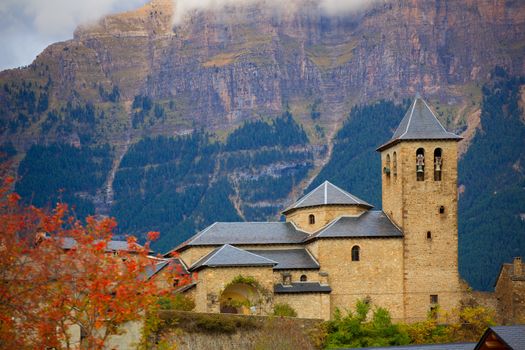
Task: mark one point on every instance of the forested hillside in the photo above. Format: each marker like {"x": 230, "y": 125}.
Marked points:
{"x": 492, "y": 185}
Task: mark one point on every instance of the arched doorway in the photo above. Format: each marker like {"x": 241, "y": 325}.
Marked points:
{"x": 237, "y": 298}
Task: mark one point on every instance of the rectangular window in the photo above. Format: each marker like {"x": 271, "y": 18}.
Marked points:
{"x": 433, "y": 299}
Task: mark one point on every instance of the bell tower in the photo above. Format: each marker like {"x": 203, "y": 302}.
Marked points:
{"x": 419, "y": 194}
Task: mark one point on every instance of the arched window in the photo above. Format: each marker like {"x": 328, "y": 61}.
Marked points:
{"x": 311, "y": 219}
{"x": 355, "y": 253}
{"x": 394, "y": 164}
{"x": 386, "y": 169}
{"x": 438, "y": 164}
{"x": 303, "y": 278}
{"x": 420, "y": 164}
{"x": 442, "y": 210}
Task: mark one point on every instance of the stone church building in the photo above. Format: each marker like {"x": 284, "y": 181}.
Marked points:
{"x": 334, "y": 248}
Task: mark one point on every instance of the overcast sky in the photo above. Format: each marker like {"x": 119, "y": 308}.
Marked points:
{"x": 28, "y": 26}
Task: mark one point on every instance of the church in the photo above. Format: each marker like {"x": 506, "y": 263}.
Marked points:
{"x": 335, "y": 248}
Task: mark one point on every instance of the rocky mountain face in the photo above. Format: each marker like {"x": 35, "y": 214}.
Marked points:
{"x": 222, "y": 67}
{"x": 95, "y": 105}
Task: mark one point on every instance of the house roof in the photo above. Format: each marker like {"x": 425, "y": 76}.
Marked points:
{"x": 372, "y": 223}
{"x": 454, "y": 346}
{"x": 163, "y": 263}
{"x": 301, "y": 287}
{"x": 239, "y": 233}
{"x": 419, "y": 123}
{"x": 327, "y": 194}
{"x": 289, "y": 258}
{"x": 512, "y": 336}
{"x": 69, "y": 243}
{"x": 229, "y": 256}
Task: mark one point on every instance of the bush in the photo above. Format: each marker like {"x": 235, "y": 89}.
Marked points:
{"x": 283, "y": 309}
{"x": 176, "y": 302}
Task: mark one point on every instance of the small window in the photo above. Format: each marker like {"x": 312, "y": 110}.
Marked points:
{"x": 394, "y": 164}
{"x": 176, "y": 282}
{"x": 429, "y": 235}
{"x": 433, "y": 299}
{"x": 311, "y": 219}
{"x": 287, "y": 279}
{"x": 355, "y": 253}
{"x": 420, "y": 164}
{"x": 442, "y": 210}
{"x": 387, "y": 166}
{"x": 438, "y": 164}
{"x": 304, "y": 278}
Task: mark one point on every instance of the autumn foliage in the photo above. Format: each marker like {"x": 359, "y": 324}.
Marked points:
{"x": 57, "y": 273}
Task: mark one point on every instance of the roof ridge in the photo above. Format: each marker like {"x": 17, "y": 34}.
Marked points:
{"x": 248, "y": 252}
{"x": 212, "y": 255}
{"x": 409, "y": 118}
{"x": 306, "y": 196}
{"x": 431, "y": 112}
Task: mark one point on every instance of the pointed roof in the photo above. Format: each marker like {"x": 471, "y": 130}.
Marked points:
{"x": 229, "y": 256}
{"x": 327, "y": 194}
{"x": 419, "y": 123}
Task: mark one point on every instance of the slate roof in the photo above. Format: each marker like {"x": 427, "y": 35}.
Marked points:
{"x": 419, "y": 123}
{"x": 301, "y": 287}
{"x": 69, "y": 243}
{"x": 372, "y": 223}
{"x": 512, "y": 336}
{"x": 239, "y": 233}
{"x": 229, "y": 256}
{"x": 288, "y": 259}
{"x": 455, "y": 346}
{"x": 327, "y": 194}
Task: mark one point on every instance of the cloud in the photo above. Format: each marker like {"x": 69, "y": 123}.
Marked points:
{"x": 28, "y": 26}
{"x": 329, "y": 7}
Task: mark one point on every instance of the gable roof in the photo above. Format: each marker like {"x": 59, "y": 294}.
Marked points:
{"x": 239, "y": 233}
{"x": 229, "y": 256}
{"x": 289, "y": 258}
{"x": 512, "y": 336}
{"x": 372, "y": 223}
{"x": 327, "y": 194}
{"x": 419, "y": 123}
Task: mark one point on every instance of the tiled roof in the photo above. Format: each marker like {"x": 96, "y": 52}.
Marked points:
{"x": 419, "y": 123}
{"x": 229, "y": 256}
{"x": 372, "y": 223}
{"x": 301, "y": 287}
{"x": 327, "y": 194}
{"x": 239, "y": 233}
{"x": 512, "y": 336}
{"x": 289, "y": 258}
{"x": 455, "y": 346}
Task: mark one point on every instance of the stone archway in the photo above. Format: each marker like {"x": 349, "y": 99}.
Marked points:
{"x": 237, "y": 298}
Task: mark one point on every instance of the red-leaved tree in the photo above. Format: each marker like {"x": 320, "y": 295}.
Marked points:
{"x": 57, "y": 273}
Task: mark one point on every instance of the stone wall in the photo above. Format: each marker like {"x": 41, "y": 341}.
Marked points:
{"x": 510, "y": 293}
{"x": 323, "y": 215}
{"x": 430, "y": 259}
{"x": 378, "y": 274}
{"x": 307, "y": 305}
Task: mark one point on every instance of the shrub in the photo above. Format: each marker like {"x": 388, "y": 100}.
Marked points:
{"x": 283, "y": 309}
{"x": 176, "y": 302}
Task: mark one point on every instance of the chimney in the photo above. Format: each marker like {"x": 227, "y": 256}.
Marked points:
{"x": 518, "y": 267}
